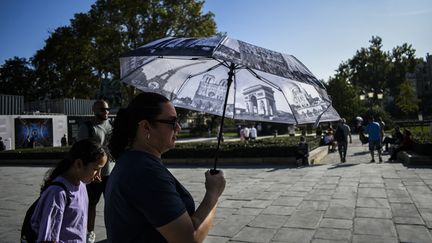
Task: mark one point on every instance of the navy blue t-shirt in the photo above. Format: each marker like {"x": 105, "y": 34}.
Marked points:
{"x": 142, "y": 195}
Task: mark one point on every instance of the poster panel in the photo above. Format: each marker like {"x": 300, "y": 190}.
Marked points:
{"x": 33, "y": 132}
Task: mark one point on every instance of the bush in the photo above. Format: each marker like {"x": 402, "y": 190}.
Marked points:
{"x": 269, "y": 147}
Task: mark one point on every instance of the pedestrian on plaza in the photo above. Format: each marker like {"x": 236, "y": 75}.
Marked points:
{"x": 342, "y": 133}
{"x": 246, "y": 133}
{"x": 253, "y": 133}
{"x": 406, "y": 145}
{"x": 291, "y": 130}
{"x": 144, "y": 202}
{"x": 329, "y": 140}
{"x": 63, "y": 141}
{"x": 31, "y": 141}
{"x": 302, "y": 153}
{"x": 242, "y": 134}
{"x": 61, "y": 215}
{"x": 373, "y": 129}
{"x": 358, "y": 123}
{"x": 2, "y": 145}
{"x": 99, "y": 129}
{"x": 362, "y": 137}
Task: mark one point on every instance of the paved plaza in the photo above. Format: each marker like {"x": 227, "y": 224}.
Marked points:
{"x": 356, "y": 201}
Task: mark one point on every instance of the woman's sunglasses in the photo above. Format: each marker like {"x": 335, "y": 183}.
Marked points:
{"x": 105, "y": 109}
{"x": 172, "y": 122}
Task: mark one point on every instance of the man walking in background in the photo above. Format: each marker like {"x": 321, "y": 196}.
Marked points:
{"x": 341, "y": 136}
{"x": 374, "y": 131}
{"x": 100, "y": 129}
{"x": 253, "y": 133}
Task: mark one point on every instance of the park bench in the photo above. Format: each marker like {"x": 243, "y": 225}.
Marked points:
{"x": 412, "y": 158}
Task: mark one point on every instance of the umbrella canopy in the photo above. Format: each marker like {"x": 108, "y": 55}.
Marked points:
{"x": 229, "y": 78}
{"x": 197, "y": 73}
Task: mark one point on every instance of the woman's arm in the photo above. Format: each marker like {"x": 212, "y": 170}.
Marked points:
{"x": 190, "y": 229}
{"x": 196, "y": 227}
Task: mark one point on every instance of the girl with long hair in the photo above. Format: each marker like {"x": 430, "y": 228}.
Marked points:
{"x": 61, "y": 215}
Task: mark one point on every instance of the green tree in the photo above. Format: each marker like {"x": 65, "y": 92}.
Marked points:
{"x": 372, "y": 67}
{"x": 78, "y": 57}
{"x": 17, "y": 78}
{"x": 344, "y": 97}
{"x": 407, "y": 100}
{"x": 368, "y": 68}
{"x": 64, "y": 66}
{"x": 403, "y": 61}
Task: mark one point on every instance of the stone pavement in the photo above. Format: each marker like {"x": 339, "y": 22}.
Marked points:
{"x": 356, "y": 201}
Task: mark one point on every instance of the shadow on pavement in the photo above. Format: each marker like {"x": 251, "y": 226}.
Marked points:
{"x": 361, "y": 153}
{"x": 337, "y": 166}
{"x": 275, "y": 168}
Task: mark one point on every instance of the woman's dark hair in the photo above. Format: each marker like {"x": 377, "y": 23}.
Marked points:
{"x": 145, "y": 106}
{"x": 88, "y": 150}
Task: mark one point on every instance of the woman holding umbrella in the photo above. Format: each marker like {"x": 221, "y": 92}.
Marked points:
{"x": 144, "y": 202}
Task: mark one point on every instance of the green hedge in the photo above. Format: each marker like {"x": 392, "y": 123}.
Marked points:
{"x": 36, "y": 153}
{"x": 269, "y": 147}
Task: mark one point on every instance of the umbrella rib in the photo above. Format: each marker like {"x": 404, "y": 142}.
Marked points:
{"x": 264, "y": 80}
{"x": 191, "y": 76}
{"x": 184, "y": 58}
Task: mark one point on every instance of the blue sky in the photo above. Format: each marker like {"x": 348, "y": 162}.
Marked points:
{"x": 320, "y": 33}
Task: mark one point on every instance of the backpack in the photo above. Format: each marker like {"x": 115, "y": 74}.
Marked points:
{"x": 27, "y": 233}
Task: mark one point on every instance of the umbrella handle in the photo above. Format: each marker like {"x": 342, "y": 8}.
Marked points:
{"x": 229, "y": 81}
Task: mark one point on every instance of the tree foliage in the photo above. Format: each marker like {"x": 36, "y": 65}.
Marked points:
{"x": 407, "y": 101}
{"x": 77, "y": 57}
{"x": 403, "y": 61}
{"x": 17, "y": 77}
{"x": 344, "y": 97}
{"x": 368, "y": 68}
{"x": 373, "y": 68}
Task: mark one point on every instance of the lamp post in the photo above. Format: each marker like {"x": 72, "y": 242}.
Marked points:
{"x": 372, "y": 96}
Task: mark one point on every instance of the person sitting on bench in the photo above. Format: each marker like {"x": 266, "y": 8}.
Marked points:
{"x": 406, "y": 145}
{"x": 396, "y": 138}
{"x": 330, "y": 141}
{"x": 302, "y": 153}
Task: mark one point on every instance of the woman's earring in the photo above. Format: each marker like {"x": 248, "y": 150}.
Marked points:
{"x": 148, "y": 136}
